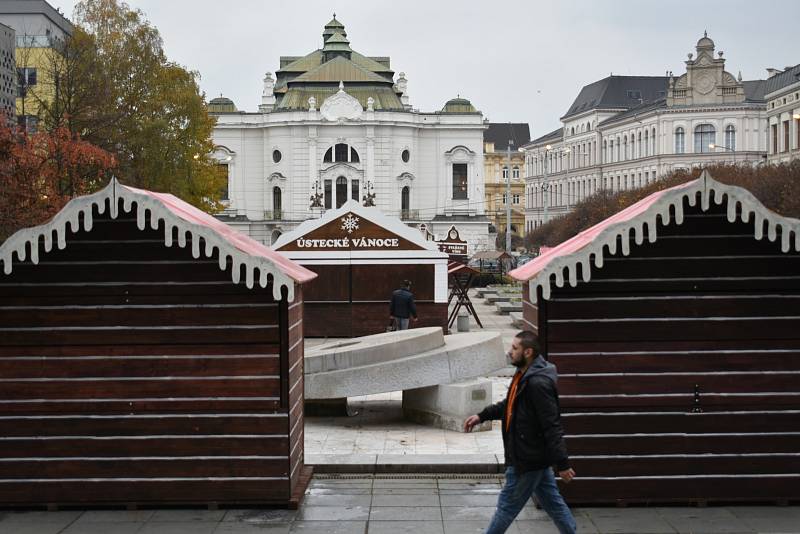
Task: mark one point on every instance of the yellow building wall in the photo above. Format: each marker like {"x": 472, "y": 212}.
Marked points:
{"x": 495, "y": 188}
{"x": 42, "y": 59}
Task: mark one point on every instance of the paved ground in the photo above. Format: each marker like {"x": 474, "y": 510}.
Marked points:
{"x": 423, "y": 505}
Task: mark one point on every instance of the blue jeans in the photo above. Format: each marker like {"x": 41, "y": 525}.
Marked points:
{"x": 401, "y": 323}
{"x": 516, "y": 492}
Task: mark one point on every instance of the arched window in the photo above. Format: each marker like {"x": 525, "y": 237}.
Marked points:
{"x": 611, "y": 152}
{"x": 625, "y": 144}
{"x": 646, "y": 143}
{"x": 328, "y": 156}
{"x": 680, "y": 145}
{"x": 639, "y": 154}
{"x": 341, "y": 191}
{"x": 704, "y": 135}
{"x": 619, "y": 150}
{"x": 515, "y": 172}
{"x": 340, "y": 152}
{"x": 276, "y": 203}
{"x": 354, "y": 190}
{"x": 354, "y": 156}
{"x": 505, "y": 172}
{"x": 730, "y": 137}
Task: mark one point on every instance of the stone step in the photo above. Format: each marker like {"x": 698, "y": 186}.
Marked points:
{"x": 516, "y": 319}
{"x": 494, "y": 298}
{"x": 504, "y": 308}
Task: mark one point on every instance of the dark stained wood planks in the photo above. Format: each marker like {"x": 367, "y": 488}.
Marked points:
{"x": 131, "y": 372}
{"x": 705, "y": 319}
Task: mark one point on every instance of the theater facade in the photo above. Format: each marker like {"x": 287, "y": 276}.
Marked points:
{"x": 336, "y": 125}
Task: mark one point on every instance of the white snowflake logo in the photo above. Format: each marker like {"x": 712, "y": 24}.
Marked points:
{"x": 349, "y": 223}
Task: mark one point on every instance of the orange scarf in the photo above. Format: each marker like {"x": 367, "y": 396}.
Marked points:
{"x": 512, "y": 395}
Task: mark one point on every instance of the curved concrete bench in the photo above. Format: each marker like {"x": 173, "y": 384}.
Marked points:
{"x": 431, "y": 369}
{"x": 403, "y": 360}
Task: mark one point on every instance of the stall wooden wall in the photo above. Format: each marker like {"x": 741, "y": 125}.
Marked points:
{"x": 353, "y": 300}
{"x": 133, "y": 373}
{"x": 679, "y": 368}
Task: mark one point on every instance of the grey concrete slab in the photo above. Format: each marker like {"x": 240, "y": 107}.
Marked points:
{"x": 251, "y": 528}
{"x": 344, "y": 463}
{"x": 404, "y": 513}
{"x": 703, "y": 520}
{"x": 333, "y": 513}
{"x": 438, "y": 463}
{"x": 467, "y": 513}
{"x": 260, "y": 516}
{"x": 405, "y": 527}
{"x": 633, "y": 521}
{"x": 337, "y": 500}
{"x": 415, "y": 490}
{"x": 30, "y": 528}
{"x": 425, "y": 500}
{"x": 115, "y": 516}
{"x": 475, "y": 527}
{"x": 176, "y": 527}
{"x": 329, "y": 527}
{"x": 99, "y": 527}
{"x": 205, "y": 516}
{"x": 469, "y": 500}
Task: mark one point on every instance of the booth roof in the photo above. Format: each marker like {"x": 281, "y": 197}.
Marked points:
{"x": 176, "y": 214}
{"x": 593, "y": 241}
{"x": 491, "y": 255}
{"x": 372, "y": 214}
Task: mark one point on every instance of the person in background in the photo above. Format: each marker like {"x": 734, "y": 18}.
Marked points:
{"x": 402, "y": 307}
{"x": 533, "y": 439}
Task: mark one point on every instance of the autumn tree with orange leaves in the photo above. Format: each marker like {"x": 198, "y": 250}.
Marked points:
{"x": 41, "y": 172}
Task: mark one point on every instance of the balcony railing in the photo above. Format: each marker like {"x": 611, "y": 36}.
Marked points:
{"x": 274, "y": 215}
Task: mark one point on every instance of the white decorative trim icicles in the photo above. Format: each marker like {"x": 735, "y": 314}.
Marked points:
{"x": 669, "y": 199}
{"x": 22, "y": 240}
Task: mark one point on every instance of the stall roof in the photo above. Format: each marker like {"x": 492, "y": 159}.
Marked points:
{"x": 456, "y": 267}
{"x": 413, "y": 244}
{"x": 176, "y": 214}
{"x": 491, "y": 255}
{"x": 594, "y": 241}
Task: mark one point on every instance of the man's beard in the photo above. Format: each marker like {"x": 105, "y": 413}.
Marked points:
{"x": 518, "y": 364}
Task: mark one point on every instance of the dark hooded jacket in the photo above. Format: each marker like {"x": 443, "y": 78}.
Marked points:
{"x": 535, "y": 439}
{"x": 402, "y": 304}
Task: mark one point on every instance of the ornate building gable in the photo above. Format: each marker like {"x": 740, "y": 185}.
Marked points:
{"x": 706, "y": 81}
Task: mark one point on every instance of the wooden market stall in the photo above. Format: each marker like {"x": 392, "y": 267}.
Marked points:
{"x": 361, "y": 256}
{"x": 149, "y": 355}
{"x": 675, "y": 327}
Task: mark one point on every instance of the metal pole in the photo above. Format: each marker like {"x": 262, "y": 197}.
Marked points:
{"x": 508, "y": 197}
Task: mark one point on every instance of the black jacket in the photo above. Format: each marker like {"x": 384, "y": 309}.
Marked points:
{"x": 402, "y": 304}
{"x": 535, "y": 439}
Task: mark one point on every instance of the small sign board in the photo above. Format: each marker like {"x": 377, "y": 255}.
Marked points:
{"x": 452, "y": 244}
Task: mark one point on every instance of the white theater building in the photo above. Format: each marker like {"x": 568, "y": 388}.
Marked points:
{"x": 335, "y": 125}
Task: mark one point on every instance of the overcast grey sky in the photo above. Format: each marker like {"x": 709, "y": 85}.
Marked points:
{"x": 520, "y": 61}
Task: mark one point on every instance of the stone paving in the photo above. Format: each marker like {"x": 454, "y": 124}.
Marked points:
{"x": 422, "y": 504}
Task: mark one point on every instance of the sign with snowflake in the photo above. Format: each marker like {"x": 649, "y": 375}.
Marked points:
{"x": 349, "y": 223}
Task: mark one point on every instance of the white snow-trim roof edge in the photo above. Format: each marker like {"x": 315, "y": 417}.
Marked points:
{"x": 111, "y": 194}
{"x": 671, "y": 199}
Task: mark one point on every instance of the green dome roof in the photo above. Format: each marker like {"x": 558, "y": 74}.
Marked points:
{"x": 221, "y": 105}
{"x": 459, "y": 105}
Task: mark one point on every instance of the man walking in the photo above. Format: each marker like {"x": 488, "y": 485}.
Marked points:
{"x": 532, "y": 438}
{"x": 402, "y": 307}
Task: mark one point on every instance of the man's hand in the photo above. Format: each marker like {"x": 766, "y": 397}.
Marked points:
{"x": 470, "y": 422}
{"x": 415, "y": 319}
{"x": 567, "y": 475}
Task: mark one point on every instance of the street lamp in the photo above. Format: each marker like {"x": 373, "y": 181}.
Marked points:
{"x": 508, "y": 196}
{"x": 713, "y": 146}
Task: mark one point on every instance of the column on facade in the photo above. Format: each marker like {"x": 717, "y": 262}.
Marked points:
{"x": 313, "y": 175}
{"x": 370, "y": 185}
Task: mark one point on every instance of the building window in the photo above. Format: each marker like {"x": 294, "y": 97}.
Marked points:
{"x": 505, "y": 198}
{"x": 276, "y": 156}
{"x": 774, "y": 138}
{"x": 653, "y": 139}
{"x": 680, "y": 144}
{"x": 646, "y": 143}
{"x": 505, "y": 173}
{"x": 341, "y": 191}
{"x": 354, "y": 156}
{"x": 354, "y": 190}
{"x": 730, "y": 137}
{"x": 785, "y": 136}
{"x": 26, "y": 77}
{"x": 405, "y": 201}
{"x": 459, "y": 181}
{"x": 797, "y": 133}
{"x": 625, "y": 152}
{"x": 515, "y": 198}
{"x": 328, "y": 194}
{"x": 276, "y": 203}
{"x": 406, "y": 155}
{"x": 340, "y": 152}
{"x": 704, "y": 135}
{"x": 222, "y": 168}
{"x": 515, "y": 173}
